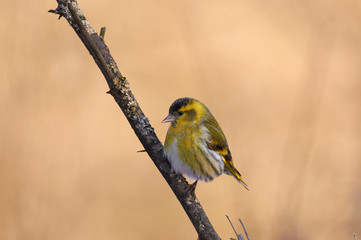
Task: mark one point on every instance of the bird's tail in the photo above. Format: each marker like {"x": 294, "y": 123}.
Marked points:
{"x": 232, "y": 171}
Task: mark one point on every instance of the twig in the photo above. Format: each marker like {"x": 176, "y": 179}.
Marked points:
{"x": 244, "y": 229}
{"x": 229, "y": 220}
{"x": 239, "y": 236}
{"x": 120, "y": 90}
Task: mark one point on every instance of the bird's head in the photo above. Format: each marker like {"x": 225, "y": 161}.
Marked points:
{"x": 186, "y": 111}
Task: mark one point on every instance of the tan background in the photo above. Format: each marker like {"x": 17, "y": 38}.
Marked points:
{"x": 281, "y": 77}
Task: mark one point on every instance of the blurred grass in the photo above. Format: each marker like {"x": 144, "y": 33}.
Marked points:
{"x": 282, "y": 79}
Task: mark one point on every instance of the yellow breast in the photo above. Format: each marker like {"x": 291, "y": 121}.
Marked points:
{"x": 187, "y": 151}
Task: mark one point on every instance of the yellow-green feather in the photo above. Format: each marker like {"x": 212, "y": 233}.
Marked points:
{"x": 218, "y": 143}
{"x": 192, "y": 150}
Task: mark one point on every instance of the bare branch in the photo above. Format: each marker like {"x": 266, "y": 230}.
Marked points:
{"x": 119, "y": 89}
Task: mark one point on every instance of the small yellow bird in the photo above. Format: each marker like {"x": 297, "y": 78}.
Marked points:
{"x": 195, "y": 144}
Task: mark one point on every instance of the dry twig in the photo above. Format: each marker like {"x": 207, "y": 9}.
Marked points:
{"x": 120, "y": 90}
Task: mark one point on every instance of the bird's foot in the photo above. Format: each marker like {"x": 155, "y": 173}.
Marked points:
{"x": 191, "y": 188}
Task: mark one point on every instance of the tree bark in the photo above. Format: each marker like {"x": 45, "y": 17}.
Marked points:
{"x": 119, "y": 89}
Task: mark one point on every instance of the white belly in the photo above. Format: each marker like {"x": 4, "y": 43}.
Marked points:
{"x": 180, "y": 166}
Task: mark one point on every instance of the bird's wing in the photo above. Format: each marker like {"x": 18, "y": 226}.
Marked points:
{"x": 217, "y": 142}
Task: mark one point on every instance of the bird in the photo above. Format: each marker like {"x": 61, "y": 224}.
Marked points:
{"x": 195, "y": 144}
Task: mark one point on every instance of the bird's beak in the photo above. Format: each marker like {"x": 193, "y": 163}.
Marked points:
{"x": 169, "y": 118}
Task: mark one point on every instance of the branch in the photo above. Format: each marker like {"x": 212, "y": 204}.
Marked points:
{"x": 119, "y": 89}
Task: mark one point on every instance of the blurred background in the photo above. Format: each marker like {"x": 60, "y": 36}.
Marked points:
{"x": 283, "y": 79}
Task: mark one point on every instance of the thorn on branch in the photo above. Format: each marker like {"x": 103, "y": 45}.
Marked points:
{"x": 111, "y": 91}
{"x": 56, "y": 12}
{"x": 102, "y": 32}
{"x": 61, "y": 10}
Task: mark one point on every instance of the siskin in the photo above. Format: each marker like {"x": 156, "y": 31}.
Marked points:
{"x": 195, "y": 144}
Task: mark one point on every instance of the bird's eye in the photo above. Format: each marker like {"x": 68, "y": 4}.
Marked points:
{"x": 180, "y": 113}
